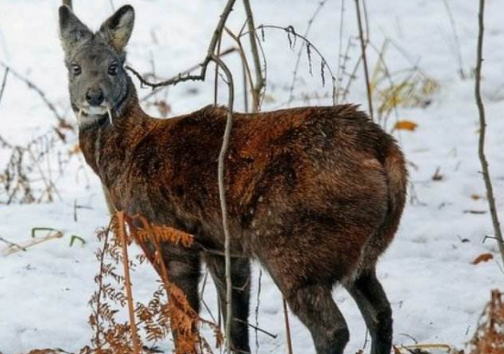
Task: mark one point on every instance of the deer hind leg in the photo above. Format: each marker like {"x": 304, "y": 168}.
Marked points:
{"x": 317, "y": 310}
{"x": 375, "y": 308}
{"x": 241, "y": 278}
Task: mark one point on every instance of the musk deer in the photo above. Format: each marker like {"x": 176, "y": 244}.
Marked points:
{"x": 315, "y": 194}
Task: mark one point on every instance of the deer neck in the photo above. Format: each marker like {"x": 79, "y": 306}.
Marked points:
{"x": 107, "y": 146}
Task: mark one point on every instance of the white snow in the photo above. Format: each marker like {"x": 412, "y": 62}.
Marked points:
{"x": 436, "y": 293}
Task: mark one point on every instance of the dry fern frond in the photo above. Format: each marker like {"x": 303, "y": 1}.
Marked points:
{"x": 167, "y": 312}
{"x": 158, "y": 233}
{"x": 489, "y": 337}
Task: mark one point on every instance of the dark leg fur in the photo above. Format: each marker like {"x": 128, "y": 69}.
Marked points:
{"x": 375, "y": 308}
{"x": 316, "y": 308}
{"x": 184, "y": 271}
{"x": 240, "y": 274}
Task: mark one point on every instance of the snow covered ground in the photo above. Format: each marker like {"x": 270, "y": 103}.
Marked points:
{"x": 436, "y": 293}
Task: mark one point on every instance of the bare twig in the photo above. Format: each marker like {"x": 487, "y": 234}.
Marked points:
{"x": 204, "y": 65}
{"x": 12, "y": 244}
{"x": 37, "y": 89}
{"x": 4, "y": 82}
{"x": 259, "y": 83}
{"x": 481, "y": 145}
{"x": 363, "y": 43}
{"x": 258, "y": 300}
{"x": 30, "y": 243}
{"x": 259, "y": 329}
{"x": 342, "y": 59}
{"x": 309, "y": 46}
{"x": 183, "y": 73}
{"x": 287, "y": 328}
{"x": 216, "y": 75}
{"x": 456, "y": 39}
{"x": 300, "y": 51}
{"x": 248, "y": 72}
{"x": 222, "y": 196}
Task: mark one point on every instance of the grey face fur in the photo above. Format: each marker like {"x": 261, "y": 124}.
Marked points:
{"x": 98, "y": 82}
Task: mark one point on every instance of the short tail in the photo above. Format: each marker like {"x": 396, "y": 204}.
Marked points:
{"x": 397, "y": 178}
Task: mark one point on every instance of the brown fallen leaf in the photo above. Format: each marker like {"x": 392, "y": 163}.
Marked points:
{"x": 437, "y": 175}
{"x": 405, "y": 125}
{"x": 484, "y": 257}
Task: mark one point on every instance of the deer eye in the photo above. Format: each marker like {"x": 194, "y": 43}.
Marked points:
{"x": 76, "y": 70}
{"x": 113, "y": 69}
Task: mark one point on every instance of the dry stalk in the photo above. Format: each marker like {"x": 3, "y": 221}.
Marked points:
{"x": 4, "y": 83}
{"x": 287, "y": 328}
{"x": 342, "y": 58}
{"x": 456, "y": 40}
{"x": 246, "y": 66}
{"x": 259, "y": 83}
{"x": 363, "y": 43}
{"x": 481, "y": 145}
{"x": 127, "y": 282}
{"x": 216, "y": 75}
{"x": 23, "y": 246}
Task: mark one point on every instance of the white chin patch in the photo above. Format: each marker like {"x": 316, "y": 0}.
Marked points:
{"x": 90, "y": 115}
{"x": 93, "y": 111}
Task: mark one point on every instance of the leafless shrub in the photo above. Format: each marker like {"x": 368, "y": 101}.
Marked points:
{"x": 32, "y": 170}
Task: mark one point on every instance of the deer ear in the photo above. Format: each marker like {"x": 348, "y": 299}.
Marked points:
{"x": 72, "y": 31}
{"x": 118, "y": 27}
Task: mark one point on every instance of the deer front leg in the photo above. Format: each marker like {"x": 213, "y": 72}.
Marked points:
{"x": 183, "y": 268}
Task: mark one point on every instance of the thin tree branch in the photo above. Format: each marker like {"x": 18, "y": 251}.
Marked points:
{"x": 481, "y": 145}
{"x": 222, "y": 196}
{"x": 4, "y": 83}
{"x": 287, "y": 328}
{"x": 183, "y": 73}
{"x": 37, "y": 89}
{"x": 364, "y": 59}
{"x": 259, "y": 84}
{"x": 204, "y": 65}
{"x": 259, "y": 329}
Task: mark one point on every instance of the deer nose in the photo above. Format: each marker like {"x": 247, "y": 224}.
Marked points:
{"x": 94, "y": 97}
